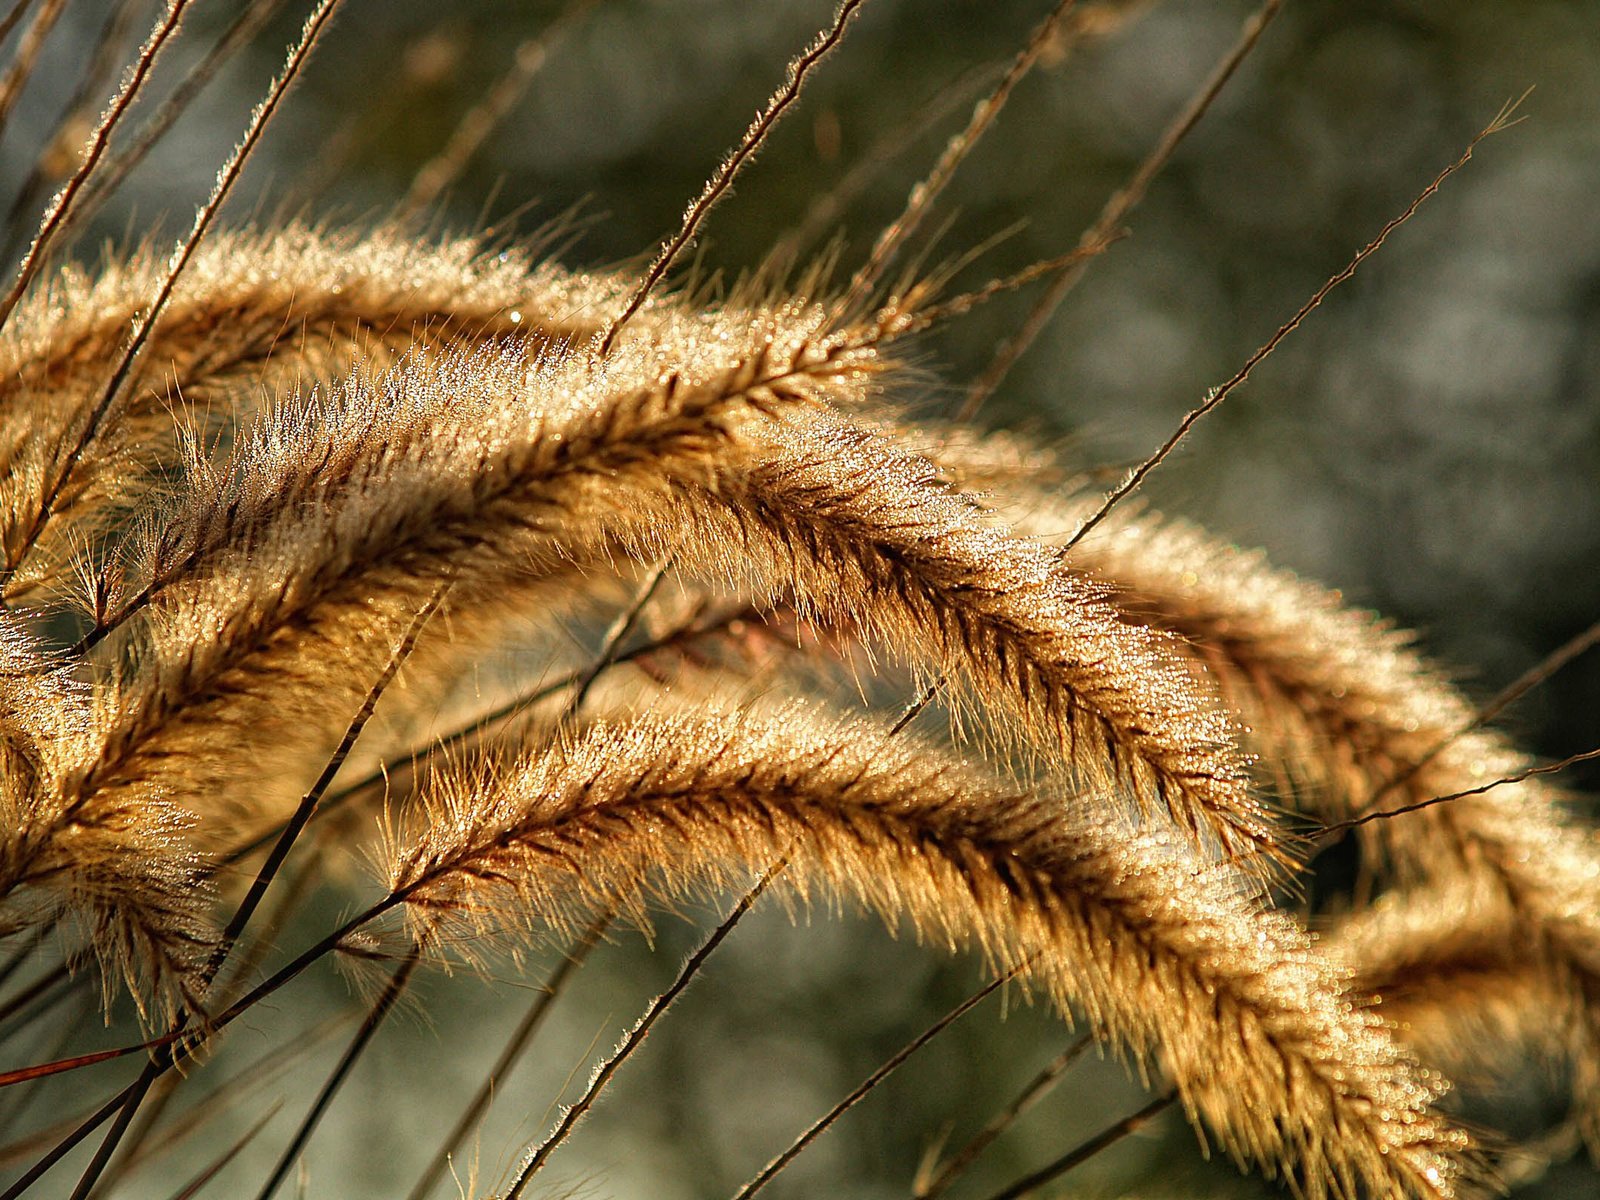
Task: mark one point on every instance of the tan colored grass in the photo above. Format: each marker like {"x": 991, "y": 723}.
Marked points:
{"x": 256, "y": 315}
{"x": 332, "y": 443}
{"x": 863, "y": 536}
{"x": 1164, "y": 956}
{"x": 1348, "y": 719}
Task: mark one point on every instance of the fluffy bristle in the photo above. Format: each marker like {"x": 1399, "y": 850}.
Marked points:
{"x": 1160, "y": 951}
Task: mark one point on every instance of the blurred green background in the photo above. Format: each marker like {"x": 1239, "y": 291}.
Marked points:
{"x": 1429, "y": 442}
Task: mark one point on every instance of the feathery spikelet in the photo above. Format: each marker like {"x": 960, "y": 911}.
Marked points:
{"x": 267, "y": 590}
{"x": 866, "y": 538}
{"x": 1465, "y": 991}
{"x": 1158, "y": 949}
{"x": 120, "y": 872}
{"x": 273, "y": 593}
{"x": 329, "y": 446}
{"x": 1352, "y": 716}
{"x": 255, "y": 314}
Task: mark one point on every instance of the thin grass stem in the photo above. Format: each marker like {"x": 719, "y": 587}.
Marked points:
{"x": 310, "y": 801}
{"x": 946, "y": 1173}
{"x": 249, "y": 1080}
{"x": 252, "y": 19}
{"x": 146, "y": 323}
{"x": 26, "y": 56}
{"x": 369, "y": 1026}
{"x": 1083, "y": 1152}
{"x": 482, "y": 119}
{"x": 289, "y": 896}
{"x": 611, "y": 644}
{"x": 216, "y": 1166}
{"x": 927, "y": 192}
{"x": 464, "y": 734}
{"x": 61, "y": 207}
{"x": 524, "y": 1033}
{"x": 893, "y": 1063}
{"x": 1115, "y": 211}
{"x": 269, "y": 869}
{"x": 54, "y": 160}
{"x": 825, "y": 210}
{"x": 16, "y": 1107}
{"x": 1502, "y": 120}
{"x": 1514, "y": 691}
{"x": 1329, "y": 831}
{"x": 719, "y": 183}
{"x": 635, "y": 1037}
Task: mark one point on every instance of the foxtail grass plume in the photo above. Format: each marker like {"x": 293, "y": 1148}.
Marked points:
{"x": 323, "y": 543}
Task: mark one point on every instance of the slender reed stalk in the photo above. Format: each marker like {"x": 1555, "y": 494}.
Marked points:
{"x": 1116, "y": 209}
{"x": 244, "y": 29}
{"x": 26, "y": 56}
{"x": 58, "y": 156}
{"x": 369, "y": 1026}
{"x": 36, "y": 511}
{"x": 1078, "y": 1155}
{"x": 927, "y": 192}
{"x": 859, "y": 1092}
{"x": 1095, "y": 916}
{"x": 476, "y": 125}
{"x": 1502, "y": 121}
{"x": 514, "y": 1048}
{"x": 941, "y": 1175}
{"x": 635, "y": 1036}
{"x": 60, "y": 208}
{"x": 719, "y": 183}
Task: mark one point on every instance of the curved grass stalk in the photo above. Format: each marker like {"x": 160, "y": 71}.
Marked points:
{"x": 57, "y": 155}
{"x": 479, "y": 122}
{"x": 1029, "y": 1184}
{"x": 937, "y": 1175}
{"x": 255, "y": 313}
{"x": 1455, "y": 974}
{"x": 369, "y": 1026}
{"x": 1275, "y": 1061}
{"x": 856, "y": 1094}
{"x": 554, "y": 983}
{"x": 635, "y": 1036}
{"x": 927, "y": 191}
{"x": 26, "y": 56}
{"x": 333, "y": 521}
{"x": 32, "y": 506}
{"x": 110, "y": 177}
{"x": 867, "y": 539}
{"x": 721, "y": 181}
{"x": 61, "y": 206}
{"x": 333, "y": 527}
{"x": 1358, "y": 724}
{"x": 120, "y": 875}
{"x": 1502, "y": 121}
{"x": 1116, "y": 209}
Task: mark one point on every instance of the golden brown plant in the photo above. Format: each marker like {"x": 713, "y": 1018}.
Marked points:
{"x": 297, "y": 525}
